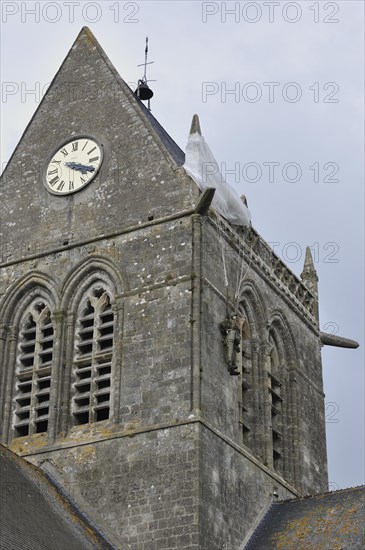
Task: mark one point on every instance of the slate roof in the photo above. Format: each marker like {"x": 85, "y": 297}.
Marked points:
{"x": 330, "y": 521}
{"x": 36, "y": 516}
{"x": 160, "y": 133}
{"x": 177, "y": 154}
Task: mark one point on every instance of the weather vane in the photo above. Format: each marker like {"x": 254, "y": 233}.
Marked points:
{"x": 143, "y": 91}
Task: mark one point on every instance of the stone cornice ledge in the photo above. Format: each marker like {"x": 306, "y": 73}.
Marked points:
{"x": 83, "y": 242}
{"x": 113, "y": 434}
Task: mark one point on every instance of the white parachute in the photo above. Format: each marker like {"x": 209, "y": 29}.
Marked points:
{"x": 202, "y": 167}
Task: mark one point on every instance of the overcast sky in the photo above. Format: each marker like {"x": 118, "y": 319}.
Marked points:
{"x": 292, "y": 130}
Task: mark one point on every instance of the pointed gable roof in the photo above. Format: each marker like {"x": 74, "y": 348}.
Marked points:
{"x": 86, "y": 40}
{"x": 141, "y": 176}
{"x": 171, "y": 146}
{"x": 35, "y": 515}
{"x": 160, "y": 134}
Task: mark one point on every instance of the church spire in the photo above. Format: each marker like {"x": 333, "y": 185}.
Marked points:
{"x": 309, "y": 275}
{"x": 310, "y": 279}
{"x": 195, "y": 126}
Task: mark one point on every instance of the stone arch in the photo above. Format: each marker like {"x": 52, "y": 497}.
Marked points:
{"x": 90, "y": 270}
{"x": 33, "y": 291}
{"x": 23, "y": 291}
{"x": 278, "y": 322}
{"x": 253, "y": 305}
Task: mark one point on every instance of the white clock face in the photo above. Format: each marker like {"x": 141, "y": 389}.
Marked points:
{"x": 73, "y": 166}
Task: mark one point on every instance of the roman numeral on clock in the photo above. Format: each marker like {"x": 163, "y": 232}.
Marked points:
{"x": 53, "y": 172}
{"x": 93, "y": 159}
{"x": 91, "y": 150}
{"x": 75, "y": 146}
{"x": 70, "y": 185}
{"x": 54, "y": 181}
{"x": 61, "y": 186}
{"x": 64, "y": 152}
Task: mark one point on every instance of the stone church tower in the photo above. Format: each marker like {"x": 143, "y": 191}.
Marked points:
{"x": 121, "y": 291}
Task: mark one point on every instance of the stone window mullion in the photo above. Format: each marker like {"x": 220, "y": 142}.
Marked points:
{"x": 94, "y": 372}
{"x": 10, "y": 383}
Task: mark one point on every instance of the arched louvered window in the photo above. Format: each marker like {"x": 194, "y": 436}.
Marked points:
{"x": 276, "y": 403}
{"x": 247, "y": 381}
{"x": 248, "y": 395}
{"x": 93, "y": 358}
{"x": 33, "y": 371}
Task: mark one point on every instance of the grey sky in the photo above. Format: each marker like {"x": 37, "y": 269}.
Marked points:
{"x": 317, "y": 139}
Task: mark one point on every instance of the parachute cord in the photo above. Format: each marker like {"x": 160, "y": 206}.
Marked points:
{"x": 222, "y": 243}
{"x": 242, "y": 277}
{"x": 239, "y": 274}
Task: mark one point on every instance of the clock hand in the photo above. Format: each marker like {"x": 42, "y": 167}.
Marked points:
{"x": 80, "y": 167}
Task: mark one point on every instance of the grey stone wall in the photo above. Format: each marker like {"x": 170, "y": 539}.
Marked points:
{"x": 144, "y": 488}
{"x": 234, "y": 491}
{"x": 220, "y": 390}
